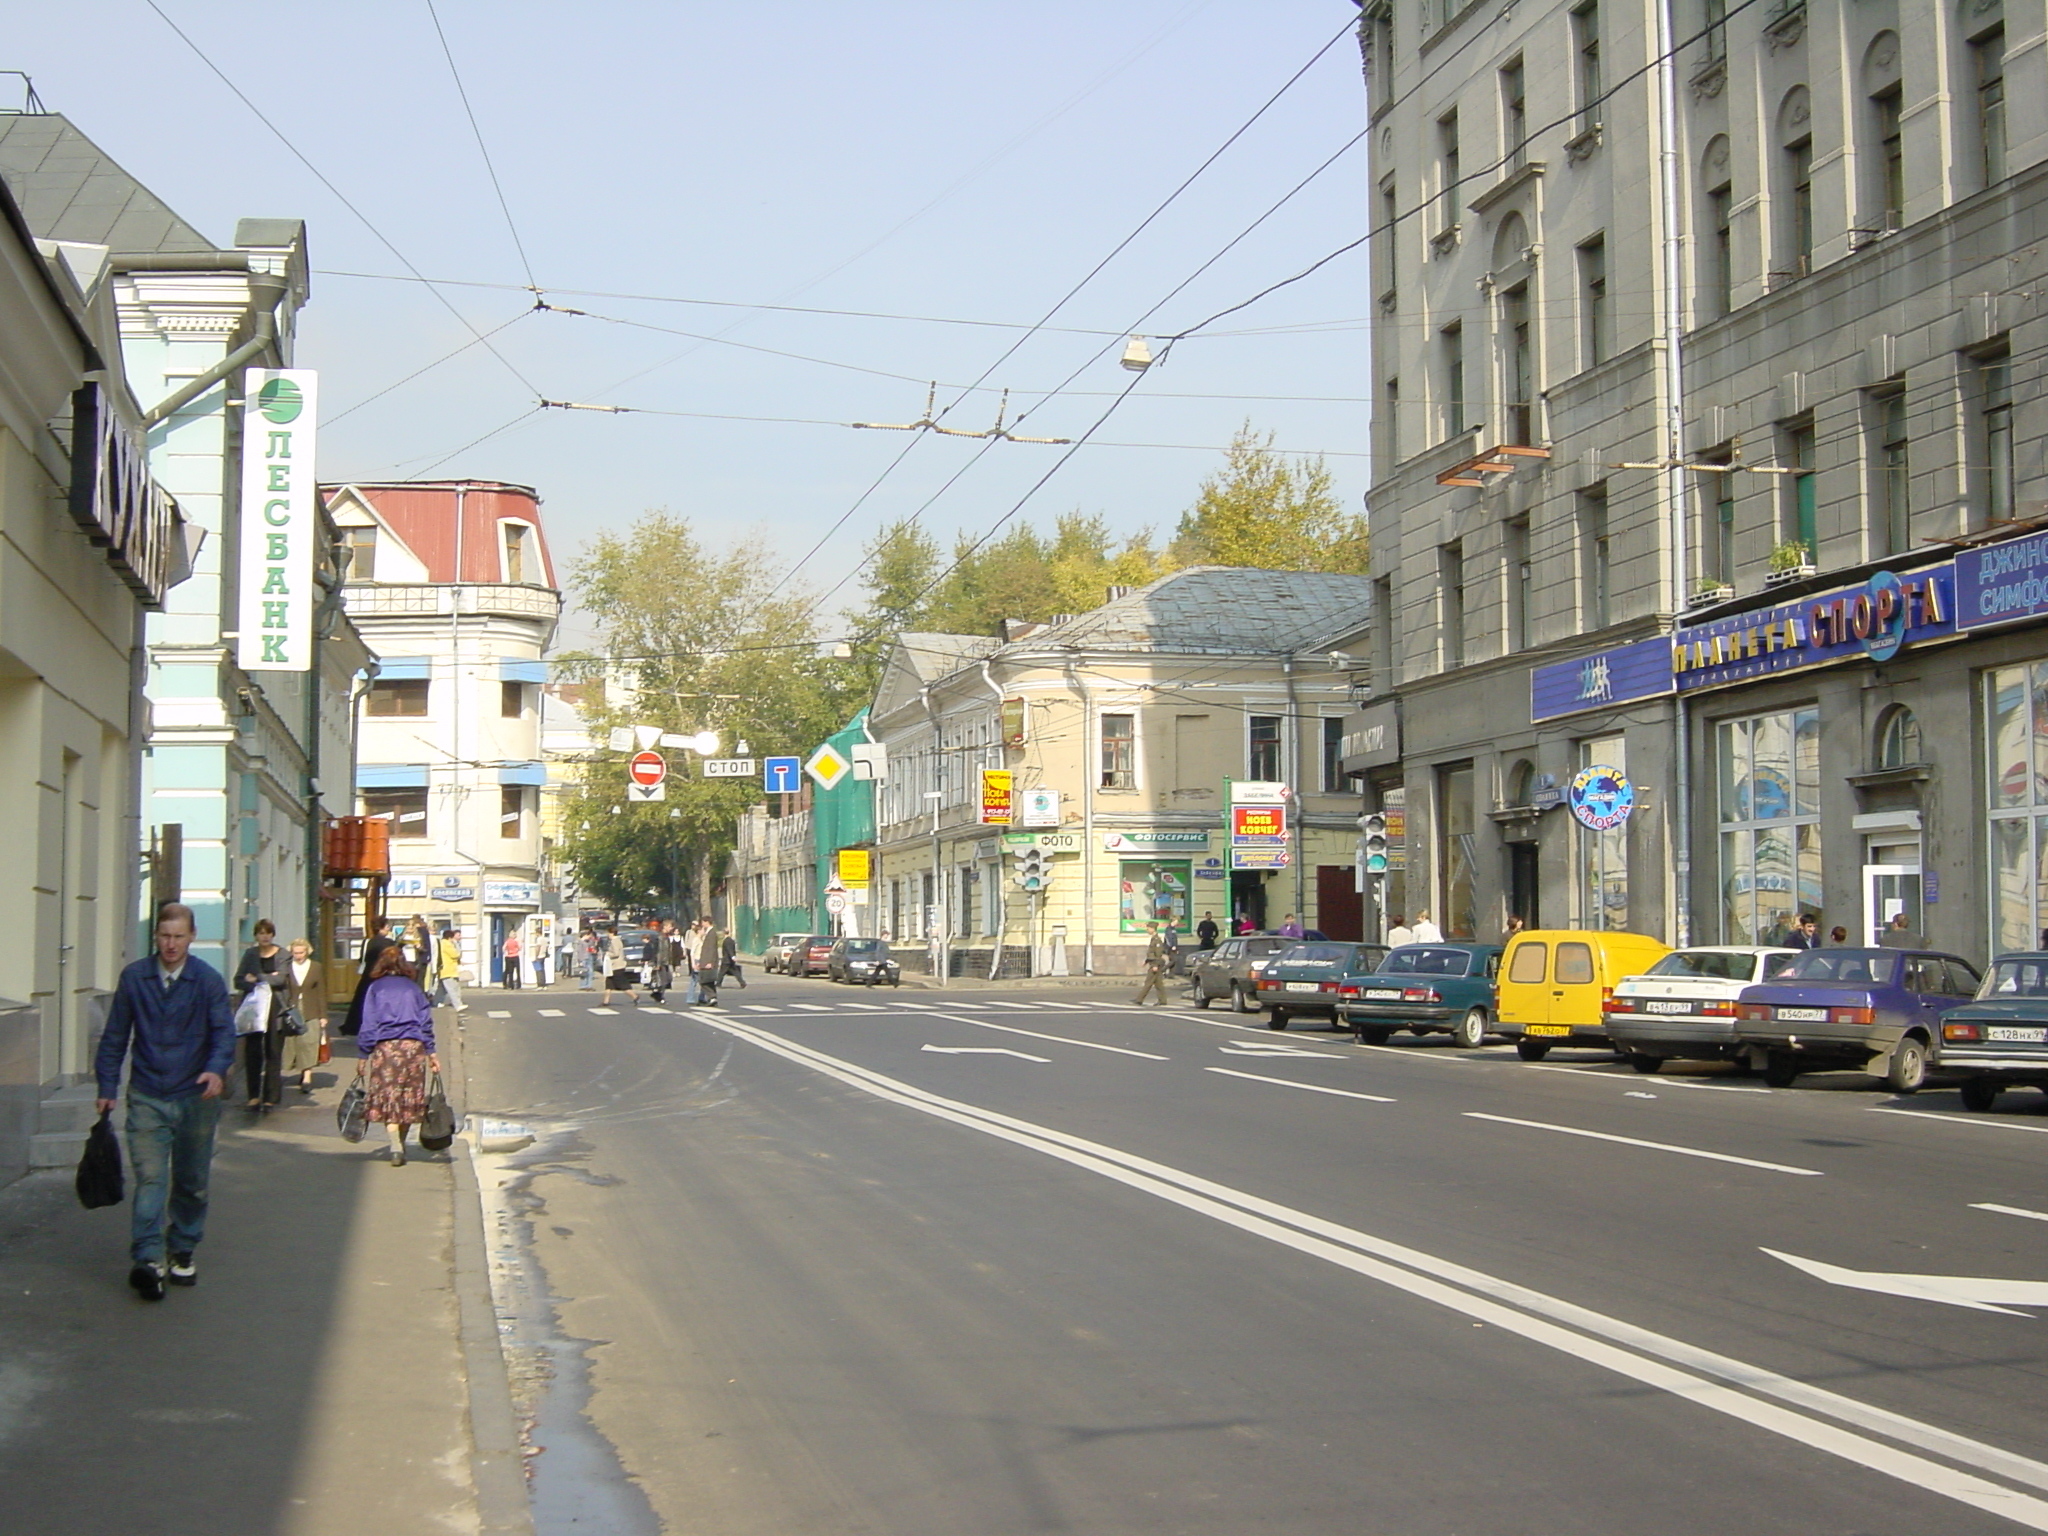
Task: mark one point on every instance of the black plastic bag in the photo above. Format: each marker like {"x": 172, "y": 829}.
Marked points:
{"x": 99, "y": 1171}
{"x": 352, "y": 1114}
{"x": 437, "y": 1130}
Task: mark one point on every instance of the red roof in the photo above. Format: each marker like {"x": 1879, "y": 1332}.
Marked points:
{"x": 424, "y": 515}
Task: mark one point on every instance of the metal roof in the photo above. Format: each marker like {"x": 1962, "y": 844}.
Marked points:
{"x": 71, "y": 189}
{"x": 1222, "y": 609}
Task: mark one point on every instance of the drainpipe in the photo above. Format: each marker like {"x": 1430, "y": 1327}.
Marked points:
{"x": 1674, "y": 452}
{"x": 1090, "y": 771}
{"x": 267, "y": 291}
{"x": 1294, "y": 777}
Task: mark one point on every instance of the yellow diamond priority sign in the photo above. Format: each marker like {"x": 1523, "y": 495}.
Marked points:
{"x": 827, "y": 766}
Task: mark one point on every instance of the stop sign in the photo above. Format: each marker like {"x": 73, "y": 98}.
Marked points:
{"x": 648, "y": 768}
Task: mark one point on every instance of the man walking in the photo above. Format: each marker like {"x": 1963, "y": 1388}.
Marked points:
{"x": 171, "y": 1010}
{"x": 450, "y": 961}
{"x": 729, "y": 961}
{"x": 1155, "y": 968}
{"x": 1806, "y": 935}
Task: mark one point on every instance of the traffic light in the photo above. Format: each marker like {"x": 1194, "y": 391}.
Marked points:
{"x": 1034, "y": 869}
{"x": 1374, "y": 825}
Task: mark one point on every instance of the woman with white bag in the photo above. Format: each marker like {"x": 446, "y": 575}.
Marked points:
{"x": 259, "y": 986}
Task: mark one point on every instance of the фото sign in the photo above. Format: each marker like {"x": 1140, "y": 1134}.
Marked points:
{"x": 1148, "y": 842}
{"x": 997, "y": 789}
{"x": 280, "y": 524}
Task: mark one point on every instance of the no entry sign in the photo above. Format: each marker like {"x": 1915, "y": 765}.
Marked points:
{"x": 647, "y": 768}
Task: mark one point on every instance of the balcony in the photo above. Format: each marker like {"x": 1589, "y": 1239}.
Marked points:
{"x": 389, "y": 600}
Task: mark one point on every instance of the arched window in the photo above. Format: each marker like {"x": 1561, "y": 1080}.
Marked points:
{"x": 1898, "y": 738}
{"x": 1521, "y": 782}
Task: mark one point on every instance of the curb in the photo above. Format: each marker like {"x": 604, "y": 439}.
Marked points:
{"x": 502, "y": 1504}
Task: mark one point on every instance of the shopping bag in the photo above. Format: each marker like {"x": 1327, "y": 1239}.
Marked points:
{"x": 99, "y": 1170}
{"x": 254, "y": 1013}
{"x": 352, "y": 1114}
{"x": 437, "y": 1130}
{"x": 291, "y": 1022}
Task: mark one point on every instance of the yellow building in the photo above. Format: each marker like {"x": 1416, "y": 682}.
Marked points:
{"x": 1123, "y": 732}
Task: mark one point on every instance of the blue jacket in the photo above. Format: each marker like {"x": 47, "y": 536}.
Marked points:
{"x": 177, "y": 1033}
{"x": 395, "y": 1009}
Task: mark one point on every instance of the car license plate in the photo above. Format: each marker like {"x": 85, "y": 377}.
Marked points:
{"x": 1304, "y": 986}
{"x": 1667, "y": 1007}
{"x": 1384, "y": 995}
{"x": 1547, "y": 1029}
{"x": 1803, "y": 1015}
{"x": 2016, "y": 1035}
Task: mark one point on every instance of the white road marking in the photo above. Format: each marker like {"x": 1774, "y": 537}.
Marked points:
{"x": 1979, "y": 1122}
{"x": 760, "y": 1007}
{"x": 606, "y": 1011}
{"x": 1274, "y": 1052}
{"x": 652, "y": 1008}
{"x": 1086, "y": 1007}
{"x": 1089, "y": 1045}
{"x": 499, "y": 1013}
{"x": 810, "y": 1007}
{"x": 2011, "y": 1210}
{"x": 866, "y": 1007}
{"x": 1654, "y": 1146}
{"x": 1377, "y": 1098}
{"x": 551, "y": 1013}
{"x": 985, "y": 1050}
{"x": 1609, "y": 1075}
{"x": 1680, "y": 1082}
{"x": 1979, "y": 1293}
{"x": 1718, "y": 1383}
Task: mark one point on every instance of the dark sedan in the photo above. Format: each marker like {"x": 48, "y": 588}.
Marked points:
{"x": 1427, "y": 988}
{"x": 1306, "y": 981}
{"x": 1879, "y": 1009}
{"x": 863, "y": 961}
{"x": 2001, "y": 1039}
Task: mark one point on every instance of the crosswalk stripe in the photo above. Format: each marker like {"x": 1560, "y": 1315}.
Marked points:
{"x": 811, "y": 1007}
{"x": 606, "y": 1011}
{"x": 760, "y": 1008}
{"x": 865, "y": 1007}
{"x": 500, "y": 1013}
{"x": 551, "y": 1013}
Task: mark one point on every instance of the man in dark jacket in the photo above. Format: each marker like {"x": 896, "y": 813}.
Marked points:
{"x": 170, "y": 1010}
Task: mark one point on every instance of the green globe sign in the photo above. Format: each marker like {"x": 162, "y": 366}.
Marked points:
{"x": 280, "y": 401}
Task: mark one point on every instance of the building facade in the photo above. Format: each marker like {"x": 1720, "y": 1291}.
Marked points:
{"x": 1121, "y": 732}
{"x": 453, "y": 587}
{"x": 1833, "y": 713}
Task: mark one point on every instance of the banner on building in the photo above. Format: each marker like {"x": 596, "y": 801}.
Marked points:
{"x": 997, "y": 790}
{"x": 280, "y": 521}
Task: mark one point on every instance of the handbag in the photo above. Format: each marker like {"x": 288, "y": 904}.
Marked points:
{"x": 291, "y": 1022}
{"x": 99, "y": 1170}
{"x": 352, "y": 1114}
{"x": 253, "y": 1015}
{"x": 326, "y": 1053}
{"x": 437, "y": 1129}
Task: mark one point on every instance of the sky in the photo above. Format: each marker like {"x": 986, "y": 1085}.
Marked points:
{"x": 669, "y": 169}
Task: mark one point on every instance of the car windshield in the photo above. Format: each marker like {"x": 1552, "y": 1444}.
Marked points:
{"x": 1705, "y": 965}
{"x": 1265, "y": 946}
{"x": 2022, "y": 976}
{"x": 1416, "y": 960}
{"x": 1878, "y": 966}
{"x": 1316, "y": 954}
{"x": 862, "y": 946}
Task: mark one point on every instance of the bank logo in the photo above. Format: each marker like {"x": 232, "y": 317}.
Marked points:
{"x": 280, "y": 401}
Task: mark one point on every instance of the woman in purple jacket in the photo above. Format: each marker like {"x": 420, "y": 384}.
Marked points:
{"x": 397, "y": 1048}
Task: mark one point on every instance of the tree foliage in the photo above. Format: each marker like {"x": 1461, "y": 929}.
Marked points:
{"x": 1266, "y": 511}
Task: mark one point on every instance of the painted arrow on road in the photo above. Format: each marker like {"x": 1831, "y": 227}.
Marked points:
{"x": 985, "y": 1050}
{"x": 1979, "y": 1294}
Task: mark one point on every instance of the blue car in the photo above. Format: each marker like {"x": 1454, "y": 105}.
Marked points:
{"x": 1878, "y": 1009}
{"x": 1426, "y": 988}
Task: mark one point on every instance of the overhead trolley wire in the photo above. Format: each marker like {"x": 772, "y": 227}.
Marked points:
{"x": 482, "y": 148}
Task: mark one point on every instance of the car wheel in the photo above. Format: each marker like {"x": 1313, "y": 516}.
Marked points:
{"x": 1907, "y": 1070}
{"x": 1240, "y": 1000}
{"x": 1201, "y": 998}
{"x": 1779, "y": 1069}
{"x": 1532, "y": 1050}
{"x": 1979, "y": 1094}
{"x": 1277, "y": 1019}
{"x": 1374, "y": 1034}
{"x": 1469, "y": 1033}
{"x": 1644, "y": 1062}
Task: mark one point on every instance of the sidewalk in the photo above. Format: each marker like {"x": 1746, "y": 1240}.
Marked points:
{"x": 335, "y": 1370}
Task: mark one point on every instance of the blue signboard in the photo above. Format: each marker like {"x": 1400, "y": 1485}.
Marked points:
{"x": 1601, "y": 797}
{"x": 1619, "y": 676}
{"x": 782, "y": 775}
{"x": 2001, "y": 583}
{"x": 1875, "y": 619}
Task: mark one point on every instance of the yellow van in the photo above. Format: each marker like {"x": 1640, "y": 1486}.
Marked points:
{"x": 1555, "y": 985}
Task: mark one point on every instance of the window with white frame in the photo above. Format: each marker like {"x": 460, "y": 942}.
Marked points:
{"x": 1265, "y": 761}
{"x": 1119, "y": 751}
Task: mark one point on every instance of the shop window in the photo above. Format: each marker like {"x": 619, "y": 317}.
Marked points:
{"x": 405, "y": 809}
{"x": 1768, "y": 794}
{"x": 1898, "y": 739}
{"x": 1119, "y": 751}
{"x": 1456, "y": 851}
{"x": 2016, "y": 736}
{"x": 1263, "y": 760}
{"x": 404, "y": 696}
{"x": 1603, "y": 855}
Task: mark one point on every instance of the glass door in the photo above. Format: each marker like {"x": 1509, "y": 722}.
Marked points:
{"x": 1892, "y": 910}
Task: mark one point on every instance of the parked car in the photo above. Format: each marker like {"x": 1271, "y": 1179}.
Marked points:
{"x": 1227, "y": 971}
{"x": 777, "y": 955}
{"x": 811, "y": 955}
{"x": 1684, "y": 1005}
{"x": 2001, "y": 1038}
{"x": 1304, "y": 980}
{"x": 1879, "y": 1009}
{"x": 1428, "y": 988}
{"x": 1555, "y": 984}
{"x": 863, "y": 960}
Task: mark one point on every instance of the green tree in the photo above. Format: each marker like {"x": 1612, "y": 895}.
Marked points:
{"x": 1265, "y": 511}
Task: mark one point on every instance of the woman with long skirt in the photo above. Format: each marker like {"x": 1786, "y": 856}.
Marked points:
{"x": 397, "y": 1045}
{"x": 305, "y": 989}
{"x": 263, "y": 1052}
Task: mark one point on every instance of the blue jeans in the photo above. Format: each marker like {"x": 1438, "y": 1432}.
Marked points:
{"x": 589, "y": 976}
{"x": 170, "y": 1145}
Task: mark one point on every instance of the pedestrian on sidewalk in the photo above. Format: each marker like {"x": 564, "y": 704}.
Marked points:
{"x": 450, "y": 950}
{"x": 423, "y": 955}
{"x": 1426, "y": 931}
{"x": 1155, "y": 968}
{"x": 510, "y": 951}
{"x": 586, "y": 949}
{"x": 262, "y": 964}
{"x": 171, "y": 1010}
{"x": 374, "y": 946}
{"x": 397, "y": 1043}
{"x": 613, "y": 958}
{"x": 1400, "y": 933}
{"x": 1206, "y": 932}
{"x": 729, "y": 961}
{"x": 305, "y": 992}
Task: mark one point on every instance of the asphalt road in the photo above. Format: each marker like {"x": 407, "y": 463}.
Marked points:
{"x": 917, "y": 1263}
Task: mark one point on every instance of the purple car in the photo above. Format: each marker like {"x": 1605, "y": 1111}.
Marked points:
{"x": 1878, "y": 1009}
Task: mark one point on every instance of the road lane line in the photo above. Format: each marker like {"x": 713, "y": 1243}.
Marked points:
{"x": 1011, "y": 1029}
{"x": 1377, "y": 1098}
{"x": 1605, "y": 1341}
{"x": 1654, "y": 1146}
{"x": 2011, "y": 1210}
{"x": 1274, "y": 1052}
{"x": 1979, "y": 1121}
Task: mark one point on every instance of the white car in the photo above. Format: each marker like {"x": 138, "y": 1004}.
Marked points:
{"x": 1684, "y": 1005}
{"x": 776, "y": 957}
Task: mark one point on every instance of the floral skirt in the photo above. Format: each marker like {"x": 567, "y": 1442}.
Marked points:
{"x": 398, "y": 1083}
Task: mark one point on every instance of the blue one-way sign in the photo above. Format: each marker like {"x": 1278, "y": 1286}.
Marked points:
{"x": 782, "y": 775}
